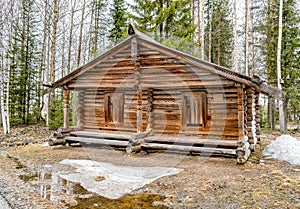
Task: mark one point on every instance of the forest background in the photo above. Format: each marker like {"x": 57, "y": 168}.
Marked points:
{"x": 44, "y": 40}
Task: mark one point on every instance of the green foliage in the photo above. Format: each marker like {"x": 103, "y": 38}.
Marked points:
{"x": 98, "y": 27}
{"x": 290, "y": 57}
{"x": 164, "y": 18}
{"x": 119, "y": 21}
{"x": 24, "y": 59}
{"x": 182, "y": 45}
{"x": 218, "y": 11}
{"x": 56, "y": 116}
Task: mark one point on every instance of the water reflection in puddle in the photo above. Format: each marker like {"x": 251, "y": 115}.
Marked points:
{"x": 66, "y": 194}
{"x": 52, "y": 187}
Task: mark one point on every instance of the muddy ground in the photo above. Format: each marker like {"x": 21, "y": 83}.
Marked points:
{"x": 28, "y": 178}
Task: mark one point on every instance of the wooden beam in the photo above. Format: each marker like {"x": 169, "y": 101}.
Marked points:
{"x": 240, "y": 112}
{"x": 80, "y": 109}
{"x": 137, "y": 76}
{"x": 66, "y": 107}
{"x": 134, "y": 49}
{"x": 243, "y": 151}
{"x": 101, "y": 135}
{"x": 220, "y": 151}
{"x": 192, "y": 141}
{"x": 251, "y": 126}
{"x": 97, "y": 141}
{"x": 149, "y": 110}
{"x": 139, "y": 112}
{"x": 257, "y": 116}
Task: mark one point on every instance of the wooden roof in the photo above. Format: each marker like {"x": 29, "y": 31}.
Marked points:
{"x": 191, "y": 60}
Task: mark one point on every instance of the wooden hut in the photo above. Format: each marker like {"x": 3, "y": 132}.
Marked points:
{"x": 143, "y": 95}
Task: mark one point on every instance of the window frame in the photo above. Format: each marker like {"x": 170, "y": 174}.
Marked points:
{"x": 188, "y": 115}
{"x": 114, "y": 107}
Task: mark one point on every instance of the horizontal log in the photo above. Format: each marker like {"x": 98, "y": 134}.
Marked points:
{"x": 180, "y": 77}
{"x": 191, "y": 141}
{"x": 97, "y": 141}
{"x": 189, "y": 149}
{"x": 110, "y": 128}
{"x": 101, "y": 135}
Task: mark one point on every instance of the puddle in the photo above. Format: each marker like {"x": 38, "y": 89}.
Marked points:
{"x": 28, "y": 177}
{"x": 67, "y": 194}
{"x": 127, "y": 201}
{"x": 52, "y": 187}
{"x": 19, "y": 165}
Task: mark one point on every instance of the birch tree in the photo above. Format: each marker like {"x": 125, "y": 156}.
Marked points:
{"x": 81, "y": 33}
{"x": 246, "y": 37}
{"x": 235, "y": 58}
{"x": 280, "y": 102}
{"x": 73, "y": 3}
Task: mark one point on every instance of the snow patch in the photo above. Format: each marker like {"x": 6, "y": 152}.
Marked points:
{"x": 117, "y": 181}
{"x": 286, "y": 148}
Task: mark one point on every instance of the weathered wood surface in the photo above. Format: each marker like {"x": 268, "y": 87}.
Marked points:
{"x": 192, "y": 141}
{"x": 189, "y": 149}
{"x": 66, "y": 107}
{"x": 97, "y": 141}
{"x": 134, "y": 70}
{"x": 101, "y": 135}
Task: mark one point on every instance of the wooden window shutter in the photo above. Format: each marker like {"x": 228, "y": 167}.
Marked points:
{"x": 194, "y": 109}
{"x": 114, "y": 107}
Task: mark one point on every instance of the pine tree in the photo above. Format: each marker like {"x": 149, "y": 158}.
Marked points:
{"x": 290, "y": 59}
{"x": 119, "y": 21}
{"x": 24, "y": 68}
{"x": 219, "y": 34}
{"x": 165, "y": 18}
{"x": 99, "y": 25}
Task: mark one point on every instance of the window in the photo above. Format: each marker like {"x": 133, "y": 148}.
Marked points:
{"x": 114, "y": 107}
{"x": 194, "y": 109}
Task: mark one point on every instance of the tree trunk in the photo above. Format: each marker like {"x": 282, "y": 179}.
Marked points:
{"x": 219, "y": 37}
{"x": 210, "y": 31}
{"x": 3, "y": 113}
{"x": 235, "y": 38}
{"x": 280, "y": 99}
{"x": 71, "y": 37}
{"x": 199, "y": 28}
{"x": 63, "y": 73}
{"x": 271, "y": 113}
{"x": 7, "y": 106}
{"x": 80, "y": 34}
{"x": 53, "y": 54}
{"x": 53, "y": 42}
{"x": 43, "y": 55}
{"x": 202, "y": 30}
{"x": 246, "y": 37}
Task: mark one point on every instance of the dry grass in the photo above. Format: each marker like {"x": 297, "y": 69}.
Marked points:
{"x": 204, "y": 183}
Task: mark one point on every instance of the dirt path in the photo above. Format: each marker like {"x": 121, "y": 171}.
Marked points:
{"x": 204, "y": 183}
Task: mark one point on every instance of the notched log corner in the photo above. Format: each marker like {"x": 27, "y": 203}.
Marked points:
{"x": 58, "y": 137}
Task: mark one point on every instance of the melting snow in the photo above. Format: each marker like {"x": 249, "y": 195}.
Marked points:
{"x": 285, "y": 147}
{"x": 119, "y": 180}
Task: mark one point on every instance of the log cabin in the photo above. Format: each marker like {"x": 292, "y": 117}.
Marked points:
{"x": 141, "y": 95}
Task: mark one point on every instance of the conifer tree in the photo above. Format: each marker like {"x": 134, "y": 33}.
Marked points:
{"x": 24, "y": 67}
{"x": 290, "y": 59}
{"x": 219, "y": 34}
{"x": 165, "y": 18}
{"x": 98, "y": 27}
{"x": 119, "y": 21}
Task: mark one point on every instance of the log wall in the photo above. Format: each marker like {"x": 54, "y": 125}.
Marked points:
{"x": 168, "y": 78}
